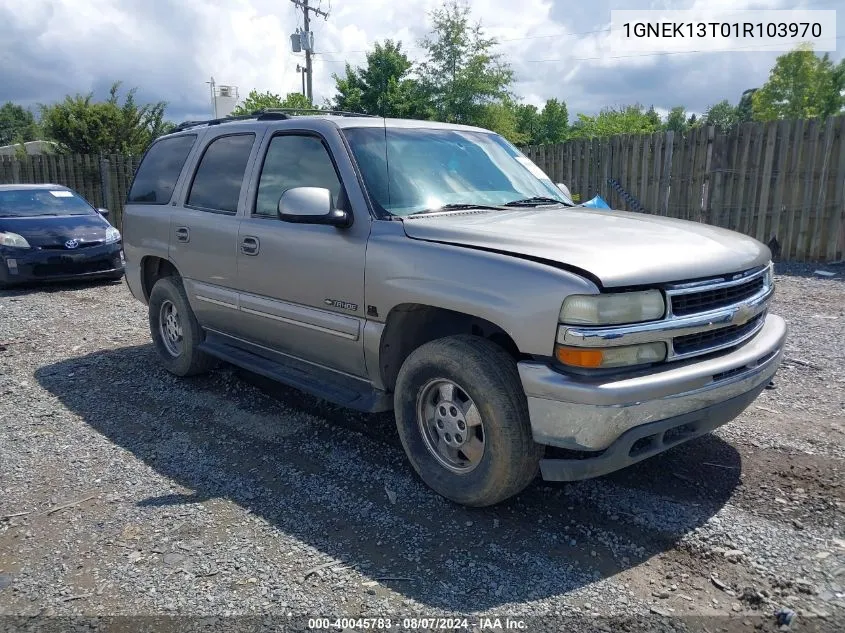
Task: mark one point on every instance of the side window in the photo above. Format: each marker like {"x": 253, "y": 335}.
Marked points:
{"x": 220, "y": 174}
{"x": 159, "y": 170}
{"x": 294, "y": 161}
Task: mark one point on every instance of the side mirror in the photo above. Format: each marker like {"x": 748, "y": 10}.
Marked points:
{"x": 311, "y": 205}
{"x": 103, "y": 212}
{"x": 564, "y": 189}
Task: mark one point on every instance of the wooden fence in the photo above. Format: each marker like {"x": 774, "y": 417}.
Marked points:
{"x": 103, "y": 180}
{"x": 781, "y": 182}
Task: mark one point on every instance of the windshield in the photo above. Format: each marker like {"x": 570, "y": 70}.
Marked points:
{"x": 407, "y": 170}
{"x": 27, "y": 203}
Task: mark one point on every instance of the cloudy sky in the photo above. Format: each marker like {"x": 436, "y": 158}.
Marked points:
{"x": 168, "y": 49}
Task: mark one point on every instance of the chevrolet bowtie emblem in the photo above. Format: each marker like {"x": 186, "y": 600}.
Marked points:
{"x": 742, "y": 315}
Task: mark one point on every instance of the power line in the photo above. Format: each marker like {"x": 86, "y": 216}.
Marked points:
{"x": 603, "y": 57}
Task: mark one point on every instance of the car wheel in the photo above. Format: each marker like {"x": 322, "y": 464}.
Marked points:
{"x": 175, "y": 331}
{"x": 462, "y": 418}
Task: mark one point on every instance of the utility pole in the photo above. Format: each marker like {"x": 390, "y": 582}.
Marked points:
{"x": 306, "y": 12}
{"x": 213, "y": 96}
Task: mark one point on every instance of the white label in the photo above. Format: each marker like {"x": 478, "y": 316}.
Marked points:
{"x": 62, "y": 194}
{"x": 709, "y": 29}
{"x": 532, "y": 167}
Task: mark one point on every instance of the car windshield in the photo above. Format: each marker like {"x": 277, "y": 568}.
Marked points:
{"x": 27, "y": 203}
{"x": 409, "y": 170}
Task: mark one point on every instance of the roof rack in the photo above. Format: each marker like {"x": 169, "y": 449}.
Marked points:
{"x": 267, "y": 114}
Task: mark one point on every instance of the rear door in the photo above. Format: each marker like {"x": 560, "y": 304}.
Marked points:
{"x": 204, "y": 228}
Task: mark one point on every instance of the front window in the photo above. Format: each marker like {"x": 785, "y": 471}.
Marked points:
{"x": 407, "y": 170}
{"x": 28, "y": 203}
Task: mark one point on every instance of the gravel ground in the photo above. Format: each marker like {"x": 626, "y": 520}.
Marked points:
{"x": 127, "y": 491}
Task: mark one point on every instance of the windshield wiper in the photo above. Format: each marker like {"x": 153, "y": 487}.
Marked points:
{"x": 533, "y": 202}
{"x": 456, "y": 207}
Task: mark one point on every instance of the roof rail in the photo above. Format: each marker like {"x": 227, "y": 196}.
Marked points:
{"x": 313, "y": 111}
{"x": 266, "y": 114}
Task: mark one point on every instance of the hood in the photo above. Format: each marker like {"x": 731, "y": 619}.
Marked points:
{"x": 52, "y": 230}
{"x": 617, "y": 248}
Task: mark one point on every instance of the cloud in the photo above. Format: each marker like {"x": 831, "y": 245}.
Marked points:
{"x": 169, "y": 49}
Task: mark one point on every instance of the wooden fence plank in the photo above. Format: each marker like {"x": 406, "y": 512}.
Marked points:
{"x": 780, "y": 173}
{"x": 798, "y": 148}
{"x": 818, "y": 222}
{"x": 666, "y": 173}
{"x": 766, "y": 181}
{"x": 836, "y": 221}
{"x": 808, "y": 179}
{"x": 741, "y": 175}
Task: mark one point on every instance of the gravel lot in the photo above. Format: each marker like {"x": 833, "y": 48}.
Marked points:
{"x": 126, "y": 491}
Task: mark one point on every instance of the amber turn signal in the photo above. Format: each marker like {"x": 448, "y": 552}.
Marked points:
{"x": 579, "y": 357}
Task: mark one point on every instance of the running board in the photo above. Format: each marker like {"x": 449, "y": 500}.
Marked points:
{"x": 318, "y": 381}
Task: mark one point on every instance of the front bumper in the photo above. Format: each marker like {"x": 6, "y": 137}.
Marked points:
{"x": 612, "y": 418}
{"x": 31, "y": 265}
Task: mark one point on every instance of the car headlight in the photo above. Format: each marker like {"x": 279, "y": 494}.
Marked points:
{"x": 609, "y": 357}
{"x": 112, "y": 235}
{"x": 13, "y": 239}
{"x": 612, "y": 309}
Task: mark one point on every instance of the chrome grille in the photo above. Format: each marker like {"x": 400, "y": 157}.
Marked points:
{"x": 715, "y": 339}
{"x": 737, "y": 293}
{"x": 706, "y": 300}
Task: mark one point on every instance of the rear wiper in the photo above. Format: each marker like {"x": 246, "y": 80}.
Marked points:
{"x": 533, "y": 202}
{"x": 456, "y": 207}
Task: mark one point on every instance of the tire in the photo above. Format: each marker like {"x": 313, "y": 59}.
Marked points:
{"x": 190, "y": 360}
{"x": 487, "y": 374}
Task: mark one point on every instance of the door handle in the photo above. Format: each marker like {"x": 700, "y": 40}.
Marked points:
{"x": 183, "y": 234}
{"x": 249, "y": 245}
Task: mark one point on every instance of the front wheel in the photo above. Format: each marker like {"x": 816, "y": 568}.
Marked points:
{"x": 463, "y": 420}
{"x": 175, "y": 331}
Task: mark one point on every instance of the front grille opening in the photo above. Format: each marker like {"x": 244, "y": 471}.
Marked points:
{"x": 706, "y": 300}
{"x": 729, "y": 373}
{"x": 643, "y": 445}
{"x": 678, "y": 433}
{"x": 55, "y": 269}
{"x": 692, "y": 343}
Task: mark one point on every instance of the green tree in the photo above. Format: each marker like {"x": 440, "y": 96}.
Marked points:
{"x": 267, "y": 100}
{"x": 629, "y": 119}
{"x": 461, "y": 72}
{"x": 82, "y": 126}
{"x": 677, "y": 120}
{"x": 801, "y": 85}
{"x": 501, "y": 117}
{"x": 527, "y": 122}
{"x": 17, "y": 124}
{"x": 553, "y": 123}
{"x": 723, "y": 116}
{"x": 745, "y": 107}
{"x": 383, "y": 87}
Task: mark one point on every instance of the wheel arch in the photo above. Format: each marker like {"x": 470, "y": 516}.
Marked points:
{"x": 410, "y": 325}
{"x": 154, "y": 268}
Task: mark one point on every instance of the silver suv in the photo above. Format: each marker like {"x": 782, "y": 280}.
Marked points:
{"x": 434, "y": 270}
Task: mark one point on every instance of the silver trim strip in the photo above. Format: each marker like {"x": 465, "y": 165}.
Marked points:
{"x": 216, "y": 302}
{"x": 310, "y": 326}
{"x": 704, "y": 286}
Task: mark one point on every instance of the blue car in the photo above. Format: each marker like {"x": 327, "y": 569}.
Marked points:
{"x": 51, "y": 233}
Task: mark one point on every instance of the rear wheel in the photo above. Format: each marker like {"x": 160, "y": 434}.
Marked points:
{"x": 463, "y": 420}
{"x": 175, "y": 331}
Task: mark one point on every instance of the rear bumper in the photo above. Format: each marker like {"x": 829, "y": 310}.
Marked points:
{"x": 33, "y": 265}
{"x": 607, "y": 417}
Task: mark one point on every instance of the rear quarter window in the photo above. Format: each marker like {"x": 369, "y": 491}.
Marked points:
{"x": 159, "y": 170}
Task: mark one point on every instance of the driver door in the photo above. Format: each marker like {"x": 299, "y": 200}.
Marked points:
{"x": 302, "y": 285}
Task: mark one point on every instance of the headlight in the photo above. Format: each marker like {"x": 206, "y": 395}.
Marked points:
{"x": 112, "y": 235}
{"x": 14, "y": 240}
{"x": 769, "y": 277}
{"x": 611, "y": 309}
{"x": 609, "y": 357}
